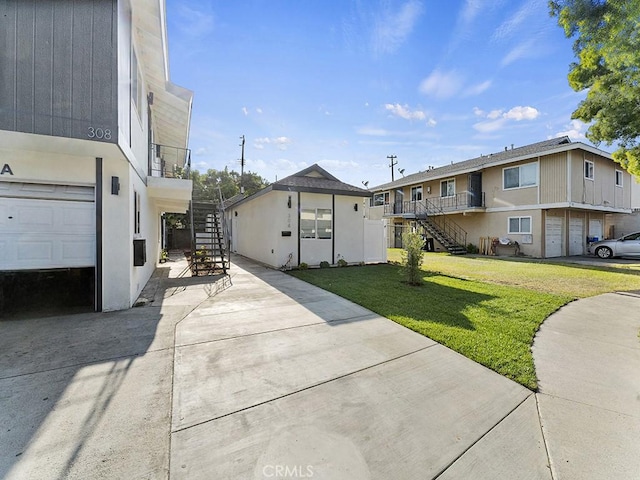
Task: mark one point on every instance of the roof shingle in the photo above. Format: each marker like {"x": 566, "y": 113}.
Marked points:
{"x": 478, "y": 162}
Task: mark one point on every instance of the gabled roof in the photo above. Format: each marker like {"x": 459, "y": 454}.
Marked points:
{"x": 313, "y": 179}
{"x": 494, "y": 159}
{"x": 317, "y": 180}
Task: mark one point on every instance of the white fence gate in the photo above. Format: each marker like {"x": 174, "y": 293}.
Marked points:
{"x": 375, "y": 241}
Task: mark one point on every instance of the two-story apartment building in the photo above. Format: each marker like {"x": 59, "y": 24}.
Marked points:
{"x": 550, "y": 197}
{"x": 93, "y": 145}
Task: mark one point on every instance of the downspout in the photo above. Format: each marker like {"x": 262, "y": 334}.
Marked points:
{"x": 299, "y": 232}
{"x": 333, "y": 230}
{"x": 569, "y": 179}
{"x": 98, "y": 269}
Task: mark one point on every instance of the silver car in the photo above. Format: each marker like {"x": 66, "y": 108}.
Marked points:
{"x": 627, "y": 246}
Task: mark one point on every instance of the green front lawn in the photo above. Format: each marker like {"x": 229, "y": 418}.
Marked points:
{"x": 487, "y": 309}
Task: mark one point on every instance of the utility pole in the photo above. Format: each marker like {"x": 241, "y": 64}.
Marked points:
{"x": 242, "y": 167}
{"x": 392, "y": 163}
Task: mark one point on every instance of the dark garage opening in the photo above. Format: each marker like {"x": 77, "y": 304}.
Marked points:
{"x": 25, "y": 294}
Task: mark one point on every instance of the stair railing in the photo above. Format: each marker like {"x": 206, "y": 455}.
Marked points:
{"x": 427, "y": 209}
{"x": 226, "y": 238}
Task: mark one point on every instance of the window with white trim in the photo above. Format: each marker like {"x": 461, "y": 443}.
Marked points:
{"x": 520, "y": 177}
{"x": 519, "y": 225}
{"x": 416, "y": 193}
{"x": 315, "y": 223}
{"x": 448, "y": 188}
{"x": 589, "y": 170}
{"x": 380, "y": 199}
{"x": 619, "y": 178}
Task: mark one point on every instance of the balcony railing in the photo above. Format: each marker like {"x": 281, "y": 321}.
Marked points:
{"x": 458, "y": 202}
{"x": 169, "y": 162}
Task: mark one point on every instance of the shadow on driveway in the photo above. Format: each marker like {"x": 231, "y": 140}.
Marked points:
{"x": 88, "y": 395}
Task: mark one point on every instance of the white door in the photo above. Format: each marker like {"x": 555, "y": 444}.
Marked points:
{"x": 553, "y": 236}
{"x": 576, "y": 236}
{"x": 44, "y": 233}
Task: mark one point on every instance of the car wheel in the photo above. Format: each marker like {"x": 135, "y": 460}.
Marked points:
{"x": 604, "y": 252}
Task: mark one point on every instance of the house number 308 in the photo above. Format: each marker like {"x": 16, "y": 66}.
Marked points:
{"x": 99, "y": 133}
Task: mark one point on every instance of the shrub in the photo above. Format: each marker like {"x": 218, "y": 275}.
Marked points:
{"x": 303, "y": 266}
{"x": 412, "y": 257}
{"x": 342, "y": 262}
{"x": 324, "y": 264}
{"x": 471, "y": 248}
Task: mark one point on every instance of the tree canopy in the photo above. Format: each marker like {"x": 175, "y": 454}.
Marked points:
{"x": 205, "y": 185}
{"x": 607, "y": 49}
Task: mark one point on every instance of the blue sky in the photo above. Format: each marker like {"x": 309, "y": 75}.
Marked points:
{"x": 346, "y": 83}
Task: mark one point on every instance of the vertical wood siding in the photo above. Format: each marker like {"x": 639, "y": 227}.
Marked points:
{"x": 553, "y": 178}
{"x": 58, "y": 68}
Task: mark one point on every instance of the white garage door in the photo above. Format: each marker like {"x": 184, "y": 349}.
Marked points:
{"x": 576, "y": 236}
{"x": 46, "y": 226}
{"x": 553, "y": 236}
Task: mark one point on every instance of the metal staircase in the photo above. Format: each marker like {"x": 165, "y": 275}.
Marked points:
{"x": 208, "y": 252}
{"x": 447, "y": 232}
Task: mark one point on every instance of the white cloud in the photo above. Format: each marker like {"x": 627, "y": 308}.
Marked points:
{"x": 477, "y": 89}
{"x": 392, "y": 28}
{"x": 280, "y": 142}
{"x": 441, "y": 84}
{"x": 259, "y": 143}
{"x": 467, "y": 15}
{"x": 478, "y": 112}
{"x": 490, "y": 126}
{"x": 245, "y": 111}
{"x": 258, "y": 110}
{"x": 404, "y": 111}
{"x": 431, "y": 122}
{"x": 522, "y": 113}
{"x": 574, "y": 130}
{"x": 526, "y": 49}
{"x": 513, "y": 25}
{"x": 470, "y": 11}
{"x": 497, "y": 119}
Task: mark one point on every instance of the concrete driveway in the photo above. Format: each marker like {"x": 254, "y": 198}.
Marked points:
{"x": 255, "y": 376}
{"x": 274, "y": 376}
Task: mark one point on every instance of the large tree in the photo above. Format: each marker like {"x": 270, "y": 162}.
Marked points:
{"x": 205, "y": 188}
{"x": 607, "y": 48}
{"x": 205, "y": 185}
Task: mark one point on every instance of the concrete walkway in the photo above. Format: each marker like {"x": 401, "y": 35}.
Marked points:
{"x": 259, "y": 375}
{"x": 587, "y": 359}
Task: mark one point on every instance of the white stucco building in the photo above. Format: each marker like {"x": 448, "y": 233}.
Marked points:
{"x": 93, "y": 139}
{"x": 309, "y": 217}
